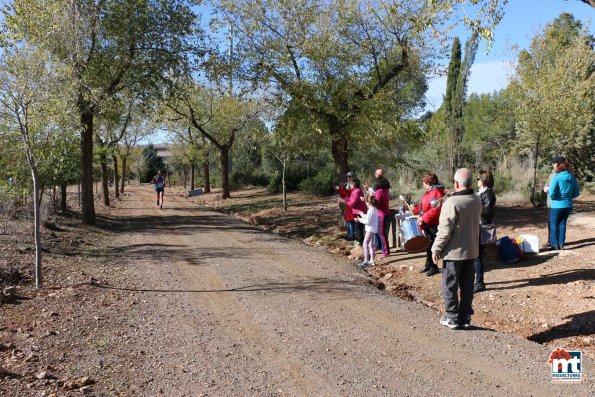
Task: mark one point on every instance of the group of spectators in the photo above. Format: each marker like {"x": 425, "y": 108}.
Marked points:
{"x": 352, "y": 195}
{"x": 454, "y": 227}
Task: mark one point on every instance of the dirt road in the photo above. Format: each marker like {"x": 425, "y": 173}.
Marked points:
{"x": 218, "y": 308}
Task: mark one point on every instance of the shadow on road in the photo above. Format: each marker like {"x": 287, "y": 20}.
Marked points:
{"x": 319, "y": 285}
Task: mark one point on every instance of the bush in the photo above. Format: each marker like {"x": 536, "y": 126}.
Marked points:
{"x": 248, "y": 177}
{"x": 293, "y": 177}
{"x": 503, "y": 183}
{"x": 320, "y": 184}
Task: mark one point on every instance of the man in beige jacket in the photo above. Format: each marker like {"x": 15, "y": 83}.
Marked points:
{"x": 456, "y": 244}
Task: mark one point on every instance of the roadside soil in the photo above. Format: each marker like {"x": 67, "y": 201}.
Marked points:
{"x": 186, "y": 301}
{"x": 547, "y": 297}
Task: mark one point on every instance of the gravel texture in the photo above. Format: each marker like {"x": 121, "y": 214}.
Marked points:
{"x": 189, "y": 302}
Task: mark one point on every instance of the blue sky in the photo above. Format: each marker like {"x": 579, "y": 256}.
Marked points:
{"x": 522, "y": 20}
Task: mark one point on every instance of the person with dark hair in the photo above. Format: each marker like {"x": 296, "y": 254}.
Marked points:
{"x": 456, "y": 244}
{"x": 563, "y": 190}
{"x": 159, "y": 181}
{"x": 546, "y": 188}
{"x": 429, "y": 217}
{"x": 485, "y": 183}
{"x": 381, "y": 191}
{"x": 344, "y": 193}
{"x": 358, "y": 207}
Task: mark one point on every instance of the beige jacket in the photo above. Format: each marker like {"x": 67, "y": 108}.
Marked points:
{"x": 458, "y": 231}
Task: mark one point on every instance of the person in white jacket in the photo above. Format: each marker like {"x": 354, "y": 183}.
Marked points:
{"x": 370, "y": 220}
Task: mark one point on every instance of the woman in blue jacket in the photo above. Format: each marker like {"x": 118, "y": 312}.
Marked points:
{"x": 562, "y": 191}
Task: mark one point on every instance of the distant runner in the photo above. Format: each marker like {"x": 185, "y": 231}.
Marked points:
{"x": 159, "y": 181}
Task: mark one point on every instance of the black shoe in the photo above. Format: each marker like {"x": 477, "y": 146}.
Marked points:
{"x": 465, "y": 323}
{"x": 433, "y": 270}
{"x": 425, "y": 269}
{"x": 479, "y": 288}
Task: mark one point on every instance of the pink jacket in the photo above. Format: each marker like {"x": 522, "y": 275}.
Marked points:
{"x": 383, "y": 202}
{"x": 355, "y": 200}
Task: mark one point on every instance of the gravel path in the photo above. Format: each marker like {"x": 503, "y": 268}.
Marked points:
{"x": 223, "y": 309}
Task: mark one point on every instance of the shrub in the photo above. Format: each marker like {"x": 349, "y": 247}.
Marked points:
{"x": 320, "y": 184}
{"x": 248, "y": 177}
{"x": 502, "y": 182}
{"x": 292, "y": 179}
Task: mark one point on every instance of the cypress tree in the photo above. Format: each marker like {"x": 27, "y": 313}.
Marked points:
{"x": 456, "y": 92}
{"x": 452, "y": 104}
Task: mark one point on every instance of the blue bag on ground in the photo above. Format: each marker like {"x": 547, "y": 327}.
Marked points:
{"x": 507, "y": 250}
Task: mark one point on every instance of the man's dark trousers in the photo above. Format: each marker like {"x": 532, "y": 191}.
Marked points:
{"x": 455, "y": 275}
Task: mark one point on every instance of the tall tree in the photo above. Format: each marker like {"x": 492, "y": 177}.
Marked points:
{"x": 554, "y": 89}
{"x": 108, "y": 45}
{"x": 340, "y": 58}
{"x": 453, "y": 106}
{"x": 152, "y": 163}
{"x": 32, "y": 105}
{"x": 456, "y": 93}
{"x": 218, "y": 117}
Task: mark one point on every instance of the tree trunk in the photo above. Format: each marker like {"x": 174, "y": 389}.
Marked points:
{"x": 225, "y": 172}
{"x": 87, "y": 204}
{"x": 451, "y": 153}
{"x": 124, "y": 173}
{"x": 116, "y": 176}
{"x": 284, "y": 189}
{"x": 339, "y": 150}
{"x": 104, "y": 180}
{"x": 184, "y": 175}
{"x": 63, "y": 192}
{"x": 535, "y": 158}
{"x": 192, "y": 176}
{"x": 36, "y": 231}
{"x": 206, "y": 171}
{"x": 54, "y": 201}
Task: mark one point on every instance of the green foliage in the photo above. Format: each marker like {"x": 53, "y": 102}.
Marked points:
{"x": 293, "y": 177}
{"x": 503, "y": 182}
{"x": 554, "y": 93}
{"x": 248, "y": 177}
{"x": 320, "y": 184}
{"x": 152, "y": 163}
{"x": 489, "y": 130}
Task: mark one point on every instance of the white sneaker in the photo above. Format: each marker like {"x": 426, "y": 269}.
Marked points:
{"x": 450, "y": 323}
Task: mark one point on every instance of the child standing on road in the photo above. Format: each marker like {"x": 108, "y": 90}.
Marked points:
{"x": 370, "y": 220}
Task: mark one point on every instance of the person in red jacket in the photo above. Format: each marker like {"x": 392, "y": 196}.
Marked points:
{"x": 429, "y": 216}
{"x": 345, "y": 192}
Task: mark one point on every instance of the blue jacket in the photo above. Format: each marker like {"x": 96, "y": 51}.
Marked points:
{"x": 563, "y": 189}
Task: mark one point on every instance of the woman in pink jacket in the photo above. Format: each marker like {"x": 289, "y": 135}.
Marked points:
{"x": 355, "y": 201}
{"x": 381, "y": 191}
